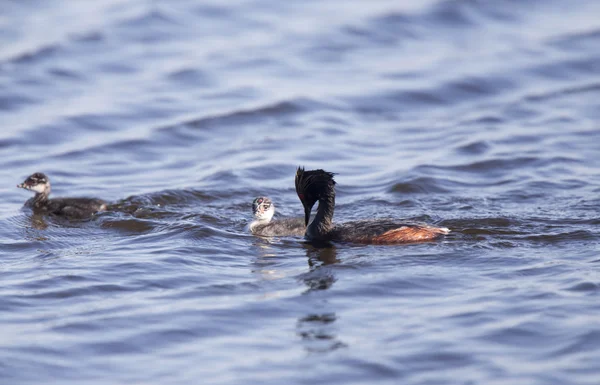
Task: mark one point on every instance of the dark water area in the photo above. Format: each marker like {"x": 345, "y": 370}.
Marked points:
{"x": 483, "y": 117}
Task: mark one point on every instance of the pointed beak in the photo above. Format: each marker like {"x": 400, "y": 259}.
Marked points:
{"x": 306, "y": 214}
{"x": 22, "y": 185}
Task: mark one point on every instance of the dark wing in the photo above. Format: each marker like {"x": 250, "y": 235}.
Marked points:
{"x": 281, "y": 228}
{"x": 78, "y": 208}
{"x": 385, "y": 231}
{"x": 295, "y": 225}
{"x": 362, "y": 230}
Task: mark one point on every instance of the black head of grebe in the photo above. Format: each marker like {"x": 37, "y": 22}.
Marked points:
{"x": 67, "y": 207}
{"x": 263, "y": 210}
{"x": 315, "y": 186}
{"x": 319, "y": 186}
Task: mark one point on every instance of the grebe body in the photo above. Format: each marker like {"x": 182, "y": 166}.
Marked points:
{"x": 319, "y": 186}
{"x": 75, "y": 208}
{"x": 263, "y": 210}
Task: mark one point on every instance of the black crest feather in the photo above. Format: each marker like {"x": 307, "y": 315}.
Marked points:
{"x": 313, "y": 182}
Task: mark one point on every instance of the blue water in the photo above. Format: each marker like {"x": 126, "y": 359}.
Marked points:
{"x": 482, "y": 117}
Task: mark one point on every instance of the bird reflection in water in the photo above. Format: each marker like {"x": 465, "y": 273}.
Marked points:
{"x": 319, "y": 333}
{"x": 37, "y": 222}
{"x": 318, "y": 277}
{"x": 318, "y": 329}
{"x": 269, "y": 263}
{"x": 31, "y": 230}
{"x": 323, "y": 254}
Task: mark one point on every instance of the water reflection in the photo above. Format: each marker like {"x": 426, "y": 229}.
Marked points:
{"x": 319, "y": 276}
{"x": 268, "y": 263}
{"x": 318, "y": 333}
{"x": 320, "y": 254}
{"x": 317, "y": 329}
{"x": 38, "y": 222}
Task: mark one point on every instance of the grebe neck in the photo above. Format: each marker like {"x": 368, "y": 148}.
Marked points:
{"x": 322, "y": 223}
{"x": 258, "y": 222}
{"x": 41, "y": 199}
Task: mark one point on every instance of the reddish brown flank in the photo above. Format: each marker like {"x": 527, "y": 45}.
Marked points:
{"x": 407, "y": 234}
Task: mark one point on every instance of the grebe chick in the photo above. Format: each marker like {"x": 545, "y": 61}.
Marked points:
{"x": 319, "y": 186}
{"x": 76, "y": 208}
{"x": 263, "y": 210}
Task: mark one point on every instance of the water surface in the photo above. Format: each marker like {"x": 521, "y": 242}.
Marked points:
{"x": 478, "y": 116}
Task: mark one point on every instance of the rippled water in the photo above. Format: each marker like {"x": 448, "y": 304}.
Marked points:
{"x": 479, "y": 116}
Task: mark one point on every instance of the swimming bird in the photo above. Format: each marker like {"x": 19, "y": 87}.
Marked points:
{"x": 74, "y": 208}
{"x": 263, "y": 210}
{"x": 319, "y": 186}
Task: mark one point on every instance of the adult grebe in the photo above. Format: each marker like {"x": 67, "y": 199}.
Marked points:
{"x": 76, "y": 208}
{"x": 319, "y": 186}
{"x": 263, "y": 210}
